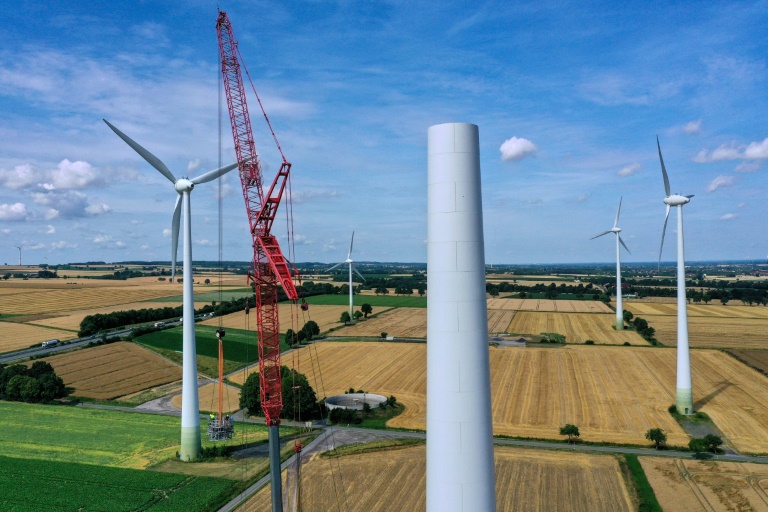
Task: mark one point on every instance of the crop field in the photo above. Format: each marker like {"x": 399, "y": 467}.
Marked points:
{"x": 110, "y": 371}
{"x": 290, "y": 318}
{"x": 577, "y": 327}
{"x": 374, "y": 300}
{"x": 532, "y": 480}
{"x": 15, "y": 336}
{"x": 698, "y": 310}
{"x": 32, "y": 485}
{"x": 690, "y": 486}
{"x": 209, "y": 398}
{"x": 706, "y": 332}
{"x": 755, "y": 358}
{"x": 412, "y": 323}
{"x": 99, "y": 437}
{"x": 563, "y": 306}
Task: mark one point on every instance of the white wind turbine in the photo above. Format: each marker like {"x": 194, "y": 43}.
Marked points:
{"x": 19, "y": 248}
{"x": 349, "y": 262}
{"x": 190, "y": 407}
{"x": 616, "y": 230}
{"x": 684, "y": 394}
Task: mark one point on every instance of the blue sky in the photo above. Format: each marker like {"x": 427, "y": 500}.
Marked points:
{"x": 569, "y": 99}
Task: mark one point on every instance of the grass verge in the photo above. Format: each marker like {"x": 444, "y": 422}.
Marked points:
{"x": 646, "y": 496}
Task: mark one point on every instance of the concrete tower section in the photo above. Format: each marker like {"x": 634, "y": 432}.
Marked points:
{"x": 684, "y": 398}
{"x": 460, "y": 469}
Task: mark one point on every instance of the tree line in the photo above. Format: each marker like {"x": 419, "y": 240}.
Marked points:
{"x": 36, "y": 384}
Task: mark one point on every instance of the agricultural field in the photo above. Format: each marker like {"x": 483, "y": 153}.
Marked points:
{"x": 533, "y": 480}
{"x": 563, "y": 306}
{"x": 109, "y": 371}
{"x": 388, "y": 301}
{"x": 577, "y": 327}
{"x": 707, "y": 332}
{"x": 412, "y": 323}
{"x": 683, "y": 485}
{"x": 99, "y": 437}
{"x": 208, "y": 396}
{"x": 754, "y": 358}
{"x": 290, "y": 318}
{"x": 32, "y": 485}
{"x": 698, "y": 310}
{"x": 15, "y": 336}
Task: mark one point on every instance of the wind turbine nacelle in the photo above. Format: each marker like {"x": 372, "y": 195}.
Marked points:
{"x": 616, "y": 230}
{"x": 677, "y": 200}
{"x": 184, "y": 185}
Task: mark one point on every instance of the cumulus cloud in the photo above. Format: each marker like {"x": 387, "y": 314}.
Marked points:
{"x": 692, "y": 127}
{"x": 167, "y": 233}
{"x": 517, "y": 149}
{"x": 102, "y": 239}
{"x": 629, "y": 170}
{"x": 63, "y": 245}
{"x": 732, "y": 151}
{"x": 747, "y": 167}
{"x": 49, "y": 230}
{"x": 19, "y": 177}
{"x": 68, "y": 203}
{"x": 728, "y": 216}
{"x": 719, "y": 182}
{"x": 13, "y": 212}
{"x": 98, "y": 209}
{"x": 203, "y": 242}
{"x": 51, "y": 213}
{"x": 193, "y": 165}
{"x": 75, "y": 175}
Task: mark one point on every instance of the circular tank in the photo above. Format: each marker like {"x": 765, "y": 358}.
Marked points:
{"x": 354, "y": 401}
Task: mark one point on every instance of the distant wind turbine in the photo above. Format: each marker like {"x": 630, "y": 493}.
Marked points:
{"x": 19, "y": 248}
{"x": 190, "y": 407}
{"x": 349, "y": 262}
{"x": 616, "y": 230}
{"x": 684, "y": 395}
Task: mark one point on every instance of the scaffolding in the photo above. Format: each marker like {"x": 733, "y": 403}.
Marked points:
{"x": 220, "y": 427}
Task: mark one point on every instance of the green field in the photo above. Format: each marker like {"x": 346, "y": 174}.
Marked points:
{"x": 239, "y": 345}
{"x": 229, "y": 294}
{"x": 373, "y": 300}
{"x": 101, "y": 437}
{"x": 34, "y": 485}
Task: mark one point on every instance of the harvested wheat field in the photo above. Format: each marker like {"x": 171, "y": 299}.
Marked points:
{"x": 690, "y": 485}
{"x": 577, "y": 327}
{"x": 208, "y": 396}
{"x": 711, "y": 311}
{"x": 563, "y": 306}
{"x": 532, "y": 480}
{"x": 754, "y": 358}
{"x": 499, "y": 320}
{"x": 704, "y": 332}
{"x": 15, "y": 336}
{"x": 290, "y": 318}
{"x": 110, "y": 371}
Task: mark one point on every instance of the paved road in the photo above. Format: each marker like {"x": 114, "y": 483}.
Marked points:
{"x": 69, "y": 345}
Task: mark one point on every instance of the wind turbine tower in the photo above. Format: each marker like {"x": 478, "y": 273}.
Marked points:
{"x": 190, "y": 405}
{"x": 616, "y": 230}
{"x": 349, "y": 262}
{"x": 684, "y": 394}
{"x": 19, "y": 248}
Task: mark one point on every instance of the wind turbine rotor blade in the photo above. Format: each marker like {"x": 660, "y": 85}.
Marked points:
{"x": 601, "y": 234}
{"x": 625, "y": 245}
{"x": 663, "y": 169}
{"x": 358, "y": 273}
{"x": 146, "y": 155}
{"x": 212, "y": 175}
{"x": 616, "y": 222}
{"x": 349, "y": 256}
{"x": 333, "y": 267}
{"x": 663, "y": 232}
{"x": 175, "y": 235}
{"x": 690, "y": 196}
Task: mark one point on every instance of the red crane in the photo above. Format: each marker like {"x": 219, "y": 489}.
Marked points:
{"x": 270, "y": 267}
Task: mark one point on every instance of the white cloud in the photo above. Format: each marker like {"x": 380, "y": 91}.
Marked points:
{"x": 144, "y": 247}
{"x": 98, "y": 209}
{"x": 63, "y": 245}
{"x": 728, "y": 216}
{"x": 69, "y": 203}
{"x": 102, "y": 239}
{"x": 34, "y": 247}
{"x": 193, "y": 165}
{"x": 49, "y": 230}
{"x": 75, "y": 175}
{"x": 629, "y": 170}
{"x": 19, "y": 177}
{"x": 720, "y": 181}
{"x": 203, "y": 242}
{"x": 517, "y": 148}
{"x": 11, "y": 212}
{"x": 747, "y": 167}
{"x": 120, "y": 244}
{"x": 692, "y": 127}
{"x": 51, "y": 213}
{"x": 732, "y": 151}
{"x": 167, "y": 233}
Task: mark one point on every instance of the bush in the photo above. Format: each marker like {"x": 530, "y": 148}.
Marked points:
{"x": 340, "y": 415}
{"x": 672, "y": 409}
{"x": 589, "y": 342}
{"x": 627, "y": 344}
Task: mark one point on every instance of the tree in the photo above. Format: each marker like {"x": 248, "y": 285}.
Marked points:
{"x": 697, "y": 445}
{"x": 523, "y": 295}
{"x": 207, "y": 281}
{"x": 724, "y": 300}
{"x": 422, "y": 290}
{"x": 296, "y": 391}
{"x": 367, "y": 309}
{"x": 358, "y": 315}
{"x": 628, "y": 316}
{"x": 657, "y": 436}
{"x": 706, "y": 298}
{"x": 569, "y": 430}
{"x": 713, "y": 442}
{"x": 310, "y": 330}
{"x": 345, "y": 317}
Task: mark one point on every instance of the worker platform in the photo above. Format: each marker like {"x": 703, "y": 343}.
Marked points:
{"x": 221, "y": 429}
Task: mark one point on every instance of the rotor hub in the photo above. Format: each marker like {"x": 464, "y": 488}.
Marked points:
{"x": 676, "y": 200}
{"x": 184, "y": 185}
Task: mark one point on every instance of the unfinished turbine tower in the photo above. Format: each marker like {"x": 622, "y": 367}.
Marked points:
{"x": 684, "y": 394}
{"x": 460, "y": 469}
{"x": 616, "y": 230}
{"x": 190, "y": 405}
